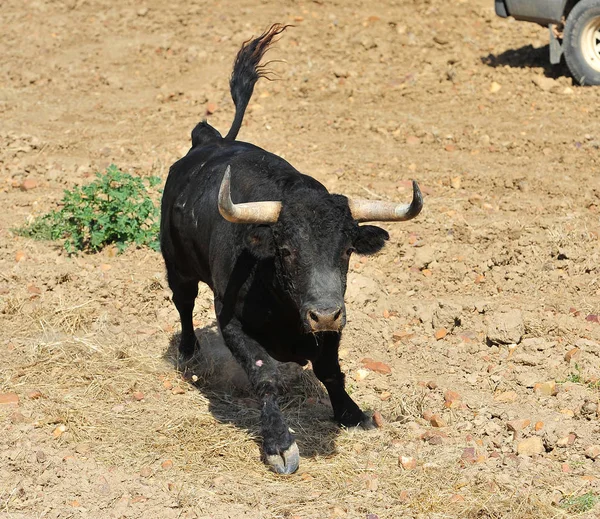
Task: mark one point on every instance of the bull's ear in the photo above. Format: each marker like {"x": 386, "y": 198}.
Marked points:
{"x": 259, "y": 241}
{"x": 370, "y": 239}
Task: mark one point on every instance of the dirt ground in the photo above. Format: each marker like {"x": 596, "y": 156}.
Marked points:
{"x": 484, "y": 308}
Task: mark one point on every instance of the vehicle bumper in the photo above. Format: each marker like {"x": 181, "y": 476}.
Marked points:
{"x": 542, "y": 12}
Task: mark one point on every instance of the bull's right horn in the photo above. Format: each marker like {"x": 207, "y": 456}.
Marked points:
{"x": 249, "y": 212}
{"x": 380, "y": 211}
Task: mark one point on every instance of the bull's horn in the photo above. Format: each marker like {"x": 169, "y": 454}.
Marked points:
{"x": 379, "y": 211}
{"x": 250, "y": 212}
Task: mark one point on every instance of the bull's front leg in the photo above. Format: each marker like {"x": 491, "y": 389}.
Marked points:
{"x": 327, "y": 369}
{"x": 279, "y": 447}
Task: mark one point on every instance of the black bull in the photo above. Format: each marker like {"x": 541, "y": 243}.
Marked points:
{"x": 274, "y": 247}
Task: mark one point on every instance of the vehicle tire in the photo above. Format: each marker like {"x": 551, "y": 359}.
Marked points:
{"x": 581, "y": 42}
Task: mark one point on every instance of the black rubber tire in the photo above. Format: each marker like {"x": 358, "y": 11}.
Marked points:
{"x": 581, "y": 42}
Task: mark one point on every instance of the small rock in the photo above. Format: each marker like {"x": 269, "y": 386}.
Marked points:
{"x": 20, "y": 256}
{"x": 567, "y": 440}
{"x": 433, "y": 437}
{"x": 440, "y": 334}
{"x": 146, "y": 472}
{"x": 9, "y": 399}
{"x": 451, "y": 396}
{"x": 432, "y": 384}
{"x": 456, "y": 498}
{"x": 469, "y": 455}
{"x": 40, "y": 456}
{"x": 138, "y": 395}
{"x": 538, "y": 426}
{"x": 59, "y": 431}
{"x": 372, "y": 483}
{"x": 378, "y": 367}
{"x": 18, "y": 417}
{"x": 517, "y": 425}
{"x": 437, "y": 421}
{"x": 589, "y": 409}
{"x": 386, "y": 395}
{"x": 593, "y": 452}
{"x": 531, "y": 446}
{"x": 378, "y": 419}
{"x": 211, "y": 108}
{"x": 34, "y": 395}
{"x": 446, "y": 315}
{"x": 506, "y": 396}
{"x": 167, "y": 464}
{"x": 178, "y": 391}
{"x": 28, "y": 184}
{"x": 545, "y": 83}
{"x": 495, "y": 87}
{"x": 506, "y": 328}
{"x": 407, "y": 462}
{"x": 413, "y": 140}
{"x": 572, "y": 354}
{"x": 361, "y": 374}
{"x": 546, "y": 388}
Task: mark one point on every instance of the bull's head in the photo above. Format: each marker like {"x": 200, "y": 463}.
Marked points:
{"x": 311, "y": 236}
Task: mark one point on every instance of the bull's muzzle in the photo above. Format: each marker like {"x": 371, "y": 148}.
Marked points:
{"x": 331, "y": 319}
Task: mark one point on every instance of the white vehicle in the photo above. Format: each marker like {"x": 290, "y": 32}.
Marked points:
{"x": 574, "y": 31}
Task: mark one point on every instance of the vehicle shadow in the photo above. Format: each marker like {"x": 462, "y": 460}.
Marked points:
{"x": 220, "y": 379}
{"x": 527, "y": 56}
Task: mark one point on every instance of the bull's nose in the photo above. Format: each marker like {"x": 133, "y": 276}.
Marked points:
{"x": 325, "y": 319}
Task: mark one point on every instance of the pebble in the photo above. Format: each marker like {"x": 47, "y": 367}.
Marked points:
{"x": 546, "y": 388}
{"x": 137, "y": 395}
{"x": 506, "y": 396}
{"x": 378, "y": 419}
{"x": 517, "y": 425}
{"x": 407, "y": 462}
{"x": 572, "y": 354}
{"x": 377, "y": 366}
{"x": 530, "y": 446}
{"x": 437, "y": 421}
{"x": 9, "y": 399}
{"x": 28, "y": 184}
{"x": 545, "y": 83}
{"x": 440, "y": 334}
{"x": 593, "y": 452}
{"x": 506, "y": 327}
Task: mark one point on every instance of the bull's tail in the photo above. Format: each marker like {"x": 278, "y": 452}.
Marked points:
{"x": 246, "y": 72}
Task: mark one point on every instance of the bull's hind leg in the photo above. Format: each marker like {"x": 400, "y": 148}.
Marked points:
{"x": 184, "y": 297}
{"x": 327, "y": 369}
{"x": 279, "y": 447}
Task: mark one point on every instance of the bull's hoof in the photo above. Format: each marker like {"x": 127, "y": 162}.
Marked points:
{"x": 361, "y": 421}
{"x": 186, "y": 350}
{"x": 285, "y": 463}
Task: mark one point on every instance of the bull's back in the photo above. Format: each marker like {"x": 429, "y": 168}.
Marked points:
{"x": 195, "y": 238}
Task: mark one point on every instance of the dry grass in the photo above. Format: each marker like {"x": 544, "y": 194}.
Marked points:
{"x": 88, "y": 375}
{"x": 88, "y": 382}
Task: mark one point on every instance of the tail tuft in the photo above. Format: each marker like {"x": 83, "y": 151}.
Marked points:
{"x": 247, "y": 70}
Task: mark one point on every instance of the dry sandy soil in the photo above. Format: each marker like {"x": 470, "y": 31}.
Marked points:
{"x": 476, "y": 307}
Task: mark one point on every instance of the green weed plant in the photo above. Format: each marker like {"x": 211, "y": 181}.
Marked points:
{"x": 115, "y": 209}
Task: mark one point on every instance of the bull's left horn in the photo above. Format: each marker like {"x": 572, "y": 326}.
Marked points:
{"x": 379, "y": 211}
{"x": 250, "y": 212}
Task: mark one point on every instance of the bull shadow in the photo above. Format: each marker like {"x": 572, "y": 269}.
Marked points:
{"x": 527, "y": 56}
{"x": 220, "y": 379}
